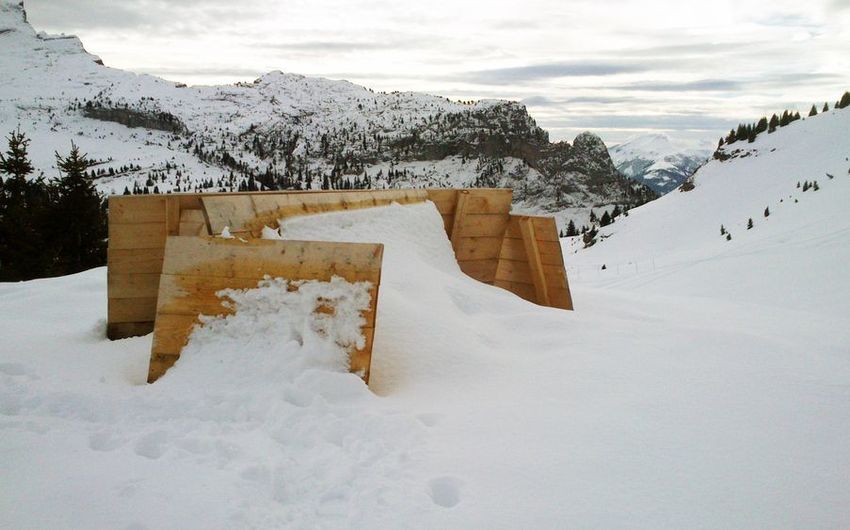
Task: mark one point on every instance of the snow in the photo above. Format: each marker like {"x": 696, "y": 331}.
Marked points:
{"x": 700, "y": 383}
{"x": 649, "y": 406}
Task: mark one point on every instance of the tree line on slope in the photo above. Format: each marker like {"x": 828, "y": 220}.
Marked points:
{"x": 749, "y": 131}
{"x": 48, "y": 228}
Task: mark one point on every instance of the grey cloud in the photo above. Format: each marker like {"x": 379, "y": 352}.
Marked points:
{"x": 539, "y": 101}
{"x": 542, "y": 101}
{"x": 670, "y": 122}
{"x": 72, "y": 15}
{"x": 187, "y": 17}
{"x": 330, "y": 46}
{"x": 204, "y": 71}
{"x": 702, "y": 85}
{"x": 519, "y": 74}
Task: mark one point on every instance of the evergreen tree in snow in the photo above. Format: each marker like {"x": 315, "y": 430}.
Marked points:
{"x": 79, "y": 215}
{"x": 750, "y": 223}
{"x": 813, "y": 111}
{"x": 767, "y": 211}
{"x": 24, "y": 207}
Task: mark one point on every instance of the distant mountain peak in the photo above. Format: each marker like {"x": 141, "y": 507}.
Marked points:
{"x": 660, "y": 161}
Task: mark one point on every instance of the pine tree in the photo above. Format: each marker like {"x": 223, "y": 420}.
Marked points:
{"x": 813, "y": 111}
{"x": 722, "y": 230}
{"x": 606, "y": 219}
{"x": 750, "y": 223}
{"x": 815, "y": 186}
{"x": 825, "y": 107}
{"x": 593, "y": 217}
{"x": 615, "y": 212}
{"x": 845, "y": 100}
{"x": 728, "y": 236}
{"x": 774, "y": 122}
{"x": 571, "y": 229}
{"x": 767, "y": 211}
{"x": 80, "y": 215}
{"x": 24, "y": 209}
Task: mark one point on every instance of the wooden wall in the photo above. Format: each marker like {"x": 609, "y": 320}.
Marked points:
{"x": 531, "y": 264}
{"x": 487, "y": 240}
{"x": 519, "y": 253}
{"x": 138, "y": 226}
{"x": 195, "y": 268}
{"x": 475, "y": 221}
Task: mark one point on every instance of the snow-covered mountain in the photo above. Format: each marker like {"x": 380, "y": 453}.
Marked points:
{"x": 660, "y": 162}
{"x": 283, "y": 131}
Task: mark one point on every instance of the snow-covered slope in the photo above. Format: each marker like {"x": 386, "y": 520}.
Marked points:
{"x": 792, "y": 258}
{"x": 660, "y": 162}
{"x": 700, "y": 383}
{"x": 281, "y": 131}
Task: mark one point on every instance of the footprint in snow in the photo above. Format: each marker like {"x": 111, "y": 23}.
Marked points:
{"x": 445, "y": 491}
{"x": 152, "y": 445}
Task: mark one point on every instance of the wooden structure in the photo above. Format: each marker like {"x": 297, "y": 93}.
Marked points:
{"x": 519, "y": 253}
{"x": 195, "y": 268}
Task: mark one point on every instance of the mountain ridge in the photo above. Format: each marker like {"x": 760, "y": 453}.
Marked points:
{"x": 285, "y": 131}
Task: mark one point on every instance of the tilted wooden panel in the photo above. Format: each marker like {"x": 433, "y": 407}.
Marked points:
{"x": 195, "y": 268}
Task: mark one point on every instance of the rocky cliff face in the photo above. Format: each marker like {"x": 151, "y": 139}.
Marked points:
{"x": 286, "y": 131}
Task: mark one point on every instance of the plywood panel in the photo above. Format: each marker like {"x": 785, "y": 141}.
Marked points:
{"x": 136, "y": 209}
{"x": 135, "y": 260}
{"x": 122, "y": 330}
{"x": 131, "y": 285}
{"x": 444, "y": 199}
{"x": 207, "y": 256}
{"x": 526, "y": 228}
{"x": 195, "y": 268}
{"x": 477, "y": 225}
{"x": 232, "y": 211}
{"x": 542, "y": 226}
{"x": 478, "y": 248}
{"x": 249, "y": 213}
{"x": 132, "y": 309}
{"x": 489, "y": 201}
{"x": 561, "y": 298}
{"x": 456, "y": 231}
{"x": 514, "y": 271}
{"x": 483, "y": 270}
{"x": 137, "y": 235}
{"x": 514, "y": 249}
{"x": 192, "y": 223}
{"x": 193, "y": 295}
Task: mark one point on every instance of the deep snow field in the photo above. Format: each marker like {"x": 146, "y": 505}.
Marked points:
{"x": 700, "y": 383}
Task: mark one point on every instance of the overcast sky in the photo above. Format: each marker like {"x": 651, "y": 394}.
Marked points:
{"x": 619, "y": 68}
